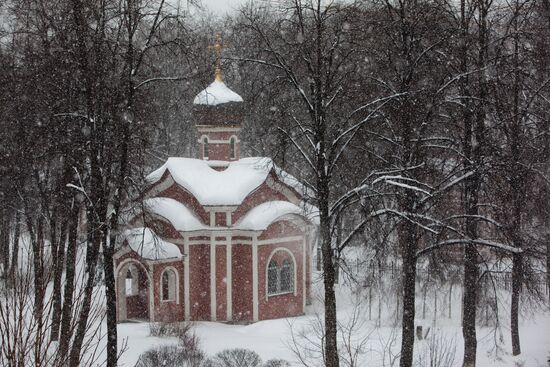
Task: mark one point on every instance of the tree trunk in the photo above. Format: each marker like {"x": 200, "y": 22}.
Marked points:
{"x": 517, "y": 189}
{"x": 331, "y": 341}
{"x": 517, "y": 275}
{"x": 95, "y": 236}
{"x": 110, "y": 293}
{"x": 57, "y": 275}
{"x": 471, "y": 275}
{"x": 469, "y": 306}
{"x": 54, "y": 233}
{"x": 4, "y": 242}
{"x": 68, "y": 294}
{"x": 469, "y": 285}
{"x": 97, "y": 206}
{"x": 408, "y": 246}
{"x": 473, "y": 145}
{"x": 37, "y": 242}
{"x": 15, "y": 246}
{"x": 548, "y": 265}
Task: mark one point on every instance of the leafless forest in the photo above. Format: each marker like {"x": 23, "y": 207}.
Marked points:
{"x": 421, "y": 129}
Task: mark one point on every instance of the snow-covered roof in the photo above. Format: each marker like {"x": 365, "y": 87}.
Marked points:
{"x": 215, "y": 94}
{"x": 149, "y": 246}
{"x": 181, "y": 217}
{"x": 260, "y": 217}
{"x": 212, "y": 187}
{"x": 311, "y": 212}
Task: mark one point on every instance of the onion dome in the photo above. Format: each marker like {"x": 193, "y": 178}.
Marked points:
{"x": 215, "y": 94}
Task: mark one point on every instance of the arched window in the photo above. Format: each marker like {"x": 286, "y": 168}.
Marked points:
{"x": 287, "y": 276}
{"x": 232, "y": 148}
{"x": 131, "y": 281}
{"x": 168, "y": 285}
{"x": 272, "y": 277}
{"x": 280, "y": 278}
{"x": 205, "y": 147}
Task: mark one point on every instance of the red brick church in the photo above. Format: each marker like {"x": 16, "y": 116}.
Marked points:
{"x": 219, "y": 237}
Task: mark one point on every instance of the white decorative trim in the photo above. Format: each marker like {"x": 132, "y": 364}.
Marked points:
{"x": 215, "y": 231}
{"x": 205, "y": 147}
{"x": 283, "y": 189}
{"x": 233, "y": 242}
{"x": 295, "y": 270}
{"x": 219, "y": 141}
{"x": 157, "y": 189}
{"x": 214, "y": 234}
{"x": 212, "y": 279}
{"x": 121, "y": 252}
{"x": 220, "y": 231}
{"x": 234, "y": 148}
{"x": 212, "y": 219}
{"x": 228, "y": 218}
{"x": 279, "y": 293}
{"x": 162, "y": 261}
{"x": 255, "y": 290}
{"x": 220, "y": 208}
{"x": 229, "y": 280}
{"x": 217, "y": 129}
{"x": 177, "y": 285}
{"x": 186, "y": 289}
{"x": 198, "y": 242}
{"x": 273, "y": 241}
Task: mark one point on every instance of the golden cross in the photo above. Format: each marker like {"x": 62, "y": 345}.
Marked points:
{"x": 218, "y": 50}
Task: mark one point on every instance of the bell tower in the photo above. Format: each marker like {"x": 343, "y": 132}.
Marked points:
{"x": 218, "y": 113}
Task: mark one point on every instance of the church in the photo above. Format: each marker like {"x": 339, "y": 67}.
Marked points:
{"x": 219, "y": 237}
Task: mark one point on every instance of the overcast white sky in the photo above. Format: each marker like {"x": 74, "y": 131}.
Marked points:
{"x": 221, "y": 7}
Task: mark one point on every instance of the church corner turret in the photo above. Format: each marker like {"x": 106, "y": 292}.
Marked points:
{"x": 218, "y": 113}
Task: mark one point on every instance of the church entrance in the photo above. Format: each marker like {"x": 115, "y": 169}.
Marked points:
{"x": 132, "y": 292}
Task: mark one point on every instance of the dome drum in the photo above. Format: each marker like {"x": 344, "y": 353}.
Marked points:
{"x": 227, "y": 114}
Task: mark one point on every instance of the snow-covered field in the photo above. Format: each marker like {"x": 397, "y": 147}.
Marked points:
{"x": 273, "y": 338}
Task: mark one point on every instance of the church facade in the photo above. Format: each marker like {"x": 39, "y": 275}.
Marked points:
{"x": 218, "y": 237}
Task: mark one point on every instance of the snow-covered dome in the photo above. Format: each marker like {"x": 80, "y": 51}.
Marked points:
{"x": 215, "y": 94}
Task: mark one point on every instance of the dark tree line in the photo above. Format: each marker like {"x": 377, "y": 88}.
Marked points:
{"x": 76, "y": 76}
{"x": 420, "y": 114}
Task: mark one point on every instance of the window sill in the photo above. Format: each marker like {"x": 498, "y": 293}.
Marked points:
{"x": 280, "y": 293}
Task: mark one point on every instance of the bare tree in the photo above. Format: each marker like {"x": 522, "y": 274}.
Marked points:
{"x": 310, "y": 44}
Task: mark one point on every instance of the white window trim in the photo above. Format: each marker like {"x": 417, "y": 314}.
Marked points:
{"x": 234, "y": 146}
{"x": 295, "y": 271}
{"x": 203, "y": 146}
{"x": 177, "y": 285}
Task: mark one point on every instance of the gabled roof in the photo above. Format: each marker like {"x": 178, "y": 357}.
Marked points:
{"x": 260, "y": 217}
{"x": 179, "y": 215}
{"x": 148, "y": 245}
{"x": 227, "y": 187}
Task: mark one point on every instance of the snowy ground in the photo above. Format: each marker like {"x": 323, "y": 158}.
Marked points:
{"x": 272, "y": 339}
